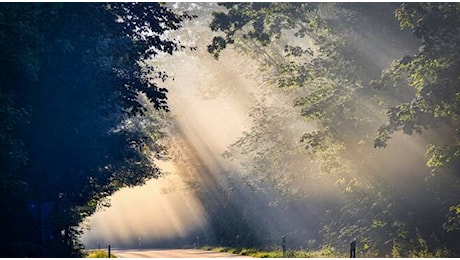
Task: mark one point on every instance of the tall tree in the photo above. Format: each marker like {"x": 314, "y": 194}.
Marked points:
{"x": 331, "y": 74}
{"x": 73, "y": 134}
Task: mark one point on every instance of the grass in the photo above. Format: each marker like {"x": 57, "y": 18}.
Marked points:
{"x": 322, "y": 253}
{"x": 99, "y": 254}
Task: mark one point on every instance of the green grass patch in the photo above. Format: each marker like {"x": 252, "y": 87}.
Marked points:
{"x": 324, "y": 252}
{"x": 99, "y": 254}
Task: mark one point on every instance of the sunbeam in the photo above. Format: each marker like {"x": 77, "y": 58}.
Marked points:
{"x": 240, "y": 169}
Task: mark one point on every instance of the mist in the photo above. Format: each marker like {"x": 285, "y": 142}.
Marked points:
{"x": 238, "y": 170}
{"x": 209, "y": 102}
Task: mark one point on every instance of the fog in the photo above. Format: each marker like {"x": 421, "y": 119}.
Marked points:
{"x": 216, "y": 103}
{"x": 209, "y": 102}
{"x": 159, "y": 211}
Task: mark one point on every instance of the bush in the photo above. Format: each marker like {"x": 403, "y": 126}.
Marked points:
{"x": 99, "y": 254}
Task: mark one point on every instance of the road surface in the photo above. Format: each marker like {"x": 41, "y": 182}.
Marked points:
{"x": 172, "y": 253}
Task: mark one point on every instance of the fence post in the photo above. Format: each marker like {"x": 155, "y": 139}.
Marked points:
{"x": 353, "y": 249}
{"x": 283, "y": 245}
{"x": 109, "y": 251}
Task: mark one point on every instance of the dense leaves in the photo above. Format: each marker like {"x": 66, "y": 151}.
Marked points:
{"x": 73, "y": 127}
{"x": 431, "y": 73}
{"x": 260, "y": 21}
{"x": 328, "y": 59}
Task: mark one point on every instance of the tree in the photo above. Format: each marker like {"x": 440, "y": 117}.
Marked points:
{"x": 429, "y": 73}
{"x": 76, "y": 131}
{"x": 436, "y": 99}
{"x": 332, "y": 76}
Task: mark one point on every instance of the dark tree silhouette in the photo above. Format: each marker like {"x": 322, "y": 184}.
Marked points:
{"x": 70, "y": 81}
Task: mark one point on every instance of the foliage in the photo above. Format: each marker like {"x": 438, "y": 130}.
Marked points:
{"x": 99, "y": 254}
{"x": 317, "y": 59}
{"x": 453, "y": 218}
{"x": 326, "y": 252}
{"x": 75, "y": 130}
{"x": 260, "y": 21}
{"x": 328, "y": 73}
{"x": 430, "y": 73}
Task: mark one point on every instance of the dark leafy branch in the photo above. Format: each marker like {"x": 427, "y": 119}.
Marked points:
{"x": 73, "y": 128}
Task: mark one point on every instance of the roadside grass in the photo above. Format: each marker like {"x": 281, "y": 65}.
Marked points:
{"x": 325, "y": 252}
{"x": 99, "y": 254}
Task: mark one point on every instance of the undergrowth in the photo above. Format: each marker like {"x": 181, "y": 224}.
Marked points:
{"x": 253, "y": 252}
{"x": 99, "y": 254}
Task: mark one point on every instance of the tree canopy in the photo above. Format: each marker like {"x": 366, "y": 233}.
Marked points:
{"x": 356, "y": 135}
{"x": 326, "y": 59}
{"x": 73, "y": 127}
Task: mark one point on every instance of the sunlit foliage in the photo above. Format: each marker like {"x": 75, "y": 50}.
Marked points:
{"x": 316, "y": 57}
{"x": 431, "y": 73}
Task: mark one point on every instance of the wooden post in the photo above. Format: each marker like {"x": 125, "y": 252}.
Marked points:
{"x": 353, "y": 249}
{"x": 283, "y": 245}
{"x": 109, "y": 251}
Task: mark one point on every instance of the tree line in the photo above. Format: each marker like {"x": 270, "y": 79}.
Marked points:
{"x": 82, "y": 116}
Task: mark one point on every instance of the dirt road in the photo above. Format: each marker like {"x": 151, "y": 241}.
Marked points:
{"x": 172, "y": 253}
